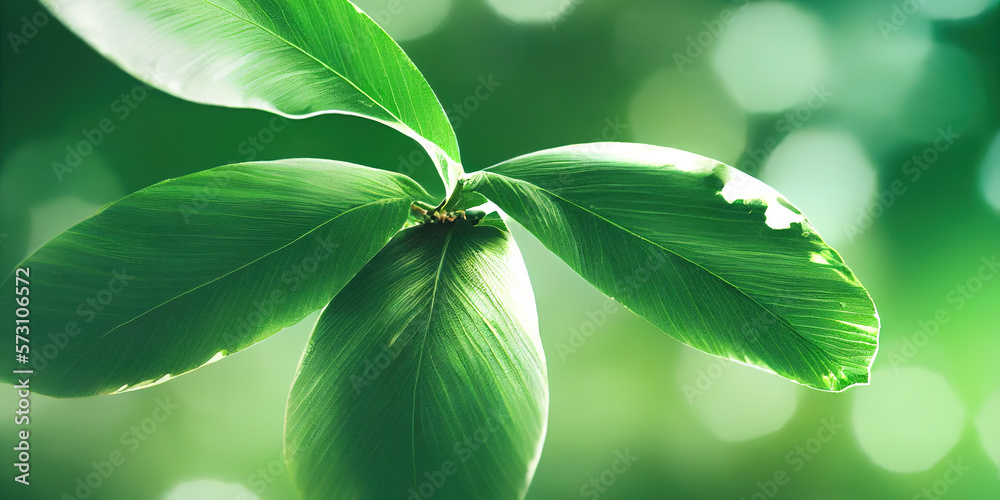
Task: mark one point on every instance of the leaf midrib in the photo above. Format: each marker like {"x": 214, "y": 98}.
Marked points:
{"x": 254, "y": 261}
{"x": 321, "y": 63}
{"x": 781, "y": 319}
{"x": 420, "y": 359}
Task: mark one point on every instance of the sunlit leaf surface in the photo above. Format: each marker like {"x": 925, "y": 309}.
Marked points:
{"x": 424, "y": 376}
{"x": 706, "y": 253}
{"x": 293, "y": 57}
{"x": 192, "y": 269}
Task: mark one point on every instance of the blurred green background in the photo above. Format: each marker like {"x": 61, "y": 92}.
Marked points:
{"x": 879, "y": 119}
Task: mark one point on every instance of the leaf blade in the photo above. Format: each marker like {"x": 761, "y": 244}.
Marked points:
{"x": 704, "y": 252}
{"x": 195, "y": 268}
{"x": 452, "y": 355}
{"x": 296, "y": 58}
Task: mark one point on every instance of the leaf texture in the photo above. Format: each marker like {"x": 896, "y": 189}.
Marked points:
{"x": 296, "y": 58}
{"x": 708, "y": 254}
{"x": 425, "y": 376}
{"x": 192, "y": 269}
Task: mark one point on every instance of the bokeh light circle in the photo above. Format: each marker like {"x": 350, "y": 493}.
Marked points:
{"x": 907, "y": 419}
{"x": 954, "y": 9}
{"x": 52, "y": 217}
{"x": 407, "y": 19}
{"x": 989, "y": 174}
{"x": 533, "y": 11}
{"x": 38, "y": 200}
{"x": 875, "y": 71}
{"x": 208, "y": 489}
{"x": 951, "y": 95}
{"x": 829, "y": 177}
{"x": 688, "y": 111}
{"x": 736, "y": 402}
{"x": 988, "y": 427}
{"x": 771, "y": 57}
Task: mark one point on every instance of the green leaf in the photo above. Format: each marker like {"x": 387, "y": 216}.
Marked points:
{"x": 703, "y": 251}
{"x": 461, "y": 199}
{"x": 424, "y": 376}
{"x": 191, "y": 269}
{"x": 296, "y": 58}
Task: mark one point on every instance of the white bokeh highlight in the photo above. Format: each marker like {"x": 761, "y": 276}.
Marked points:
{"x": 988, "y": 427}
{"x": 908, "y": 419}
{"x": 52, "y": 217}
{"x": 771, "y": 57}
{"x": 953, "y": 9}
{"x": 875, "y": 74}
{"x": 209, "y": 489}
{"x": 827, "y": 175}
{"x": 949, "y": 94}
{"x": 533, "y": 11}
{"x": 688, "y": 111}
{"x": 407, "y": 19}
{"x": 989, "y": 174}
{"x": 32, "y": 195}
{"x": 734, "y": 401}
